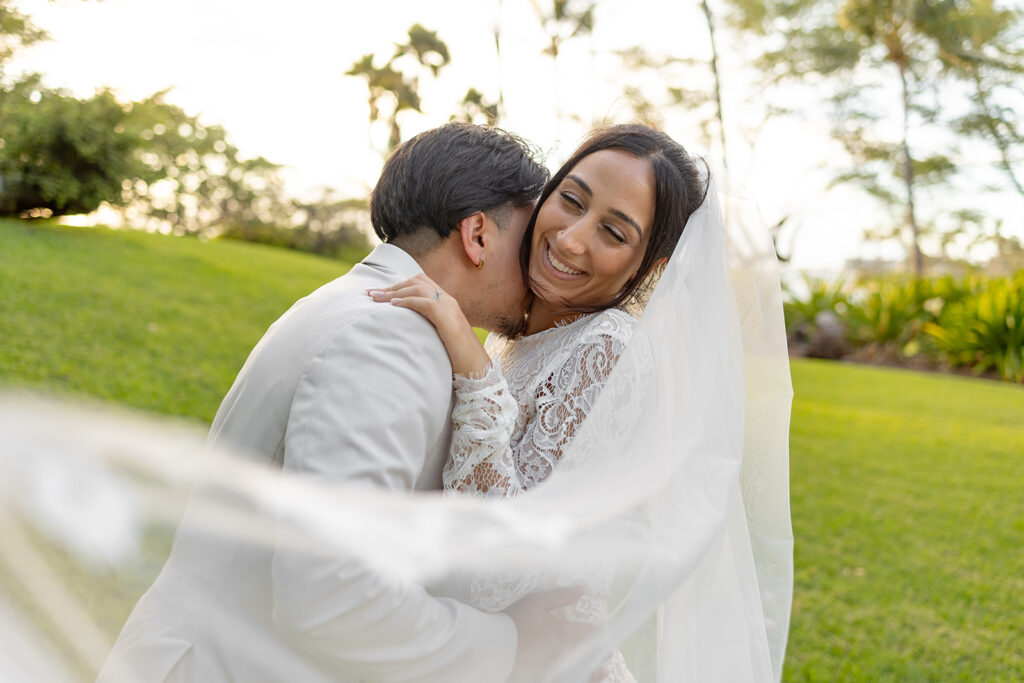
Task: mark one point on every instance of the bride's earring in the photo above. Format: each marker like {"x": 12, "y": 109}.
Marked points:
{"x": 480, "y": 263}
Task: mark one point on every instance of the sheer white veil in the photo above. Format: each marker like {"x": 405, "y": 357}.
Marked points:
{"x": 676, "y": 487}
{"x": 682, "y": 464}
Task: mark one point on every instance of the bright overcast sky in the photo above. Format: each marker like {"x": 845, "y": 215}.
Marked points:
{"x": 273, "y": 75}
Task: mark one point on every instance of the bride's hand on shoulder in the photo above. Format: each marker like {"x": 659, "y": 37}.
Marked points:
{"x": 421, "y": 294}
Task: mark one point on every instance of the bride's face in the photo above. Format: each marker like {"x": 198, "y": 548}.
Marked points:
{"x": 591, "y": 232}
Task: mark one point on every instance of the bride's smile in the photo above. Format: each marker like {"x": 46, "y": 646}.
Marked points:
{"x": 562, "y": 271}
{"x": 590, "y": 233}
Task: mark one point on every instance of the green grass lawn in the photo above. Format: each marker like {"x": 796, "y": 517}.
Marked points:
{"x": 908, "y": 513}
{"x": 907, "y": 489}
{"x": 159, "y": 323}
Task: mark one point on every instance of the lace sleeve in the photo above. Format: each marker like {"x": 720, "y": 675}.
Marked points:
{"x": 482, "y": 460}
{"x": 484, "y": 414}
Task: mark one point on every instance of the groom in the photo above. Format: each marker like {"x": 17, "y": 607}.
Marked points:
{"x": 346, "y": 390}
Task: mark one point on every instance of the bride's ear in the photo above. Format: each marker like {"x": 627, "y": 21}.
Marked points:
{"x": 473, "y": 233}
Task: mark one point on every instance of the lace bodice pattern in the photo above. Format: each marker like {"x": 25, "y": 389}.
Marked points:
{"x": 510, "y": 431}
{"x": 512, "y": 425}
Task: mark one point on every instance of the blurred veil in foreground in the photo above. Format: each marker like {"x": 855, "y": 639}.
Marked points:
{"x": 675, "y": 490}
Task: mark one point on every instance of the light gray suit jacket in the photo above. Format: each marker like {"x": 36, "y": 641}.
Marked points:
{"x": 348, "y": 390}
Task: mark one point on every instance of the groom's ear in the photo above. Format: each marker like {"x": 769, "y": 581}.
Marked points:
{"x": 473, "y": 231}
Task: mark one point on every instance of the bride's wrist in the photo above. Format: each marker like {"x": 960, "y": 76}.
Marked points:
{"x": 467, "y": 355}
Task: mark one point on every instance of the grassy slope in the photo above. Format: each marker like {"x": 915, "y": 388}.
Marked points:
{"x": 159, "y": 323}
{"x": 906, "y": 488}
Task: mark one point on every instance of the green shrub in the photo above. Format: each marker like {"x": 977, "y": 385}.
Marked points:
{"x": 971, "y": 321}
{"x": 984, "y": 331}
{"x": 891, "y": 312}
{"x": 887, "y": 312}
{"x": 822, "y": 296}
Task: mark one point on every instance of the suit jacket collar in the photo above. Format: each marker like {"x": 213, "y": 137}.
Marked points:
{"x": 393, "y": 260}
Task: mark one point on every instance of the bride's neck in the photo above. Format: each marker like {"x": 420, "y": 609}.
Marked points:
{"x": 545, "y": 315}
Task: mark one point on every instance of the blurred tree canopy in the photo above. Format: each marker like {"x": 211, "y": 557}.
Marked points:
{"x": 161, "y": 167}
{"x": 941, "y": 58}
{"x": 194, "y": 180}
{"x": 325, "y": 225}
{"x": 561, "y": 21}
{"x": 682, "y": 85}
{"x": 394, "y": 87}
{"x": 58, "y": 154}
{"x": 918, "y": 91}
{"x": 477, "y": 109}
{"x": 62, "y": 155}
{"x": 16, "y": 32}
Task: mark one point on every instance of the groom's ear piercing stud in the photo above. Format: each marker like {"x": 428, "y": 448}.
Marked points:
{"x": 480, "y": 263}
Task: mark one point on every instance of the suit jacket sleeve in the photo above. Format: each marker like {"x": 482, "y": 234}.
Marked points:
{"x": 366, "y": 409}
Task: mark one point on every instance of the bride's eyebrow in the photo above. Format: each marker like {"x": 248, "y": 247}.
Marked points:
{"x": 615, "y": 212}
{"x": 579, "y": 181}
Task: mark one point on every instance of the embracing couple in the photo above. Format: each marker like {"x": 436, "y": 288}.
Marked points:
{"x": 378, "y": 379}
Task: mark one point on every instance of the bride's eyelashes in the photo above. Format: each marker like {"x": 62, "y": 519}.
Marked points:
{"x": 616, "y": 235}
{"x": 570, "y": 199}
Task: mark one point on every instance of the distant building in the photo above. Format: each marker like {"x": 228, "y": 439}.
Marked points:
{"x": 863, "y": 266}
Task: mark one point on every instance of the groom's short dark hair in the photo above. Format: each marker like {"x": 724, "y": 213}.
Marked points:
{"x": 434, "y": 180}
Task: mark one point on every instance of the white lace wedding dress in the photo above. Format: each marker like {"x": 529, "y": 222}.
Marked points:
{"x": 510, "y": 429}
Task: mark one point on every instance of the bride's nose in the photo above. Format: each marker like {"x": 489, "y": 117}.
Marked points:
{"x": 572, "y": 239}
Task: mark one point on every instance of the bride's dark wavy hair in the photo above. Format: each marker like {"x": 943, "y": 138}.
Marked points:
{"x": 680, "y": 187}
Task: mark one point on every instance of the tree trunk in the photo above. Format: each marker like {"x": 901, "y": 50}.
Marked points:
{"x": 558, "y": 97}
{"x": 497, "y": 50}
{"x": 552, "y": 51}
{"x": 908, "y": 176}
{"x": 718, "y": 83}
{"x": 396, "y": 134}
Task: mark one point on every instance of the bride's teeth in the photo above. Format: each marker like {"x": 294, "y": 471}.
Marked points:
{"x": 561, "y": 266}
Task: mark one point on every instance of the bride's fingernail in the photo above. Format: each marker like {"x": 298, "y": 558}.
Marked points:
{"x": 396, "y": 301}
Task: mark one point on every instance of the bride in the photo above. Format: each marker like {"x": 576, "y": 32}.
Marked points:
{"x": 604, "y": 230}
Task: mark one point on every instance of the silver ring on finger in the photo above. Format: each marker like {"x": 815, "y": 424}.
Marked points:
{"x": 437, "y": 295}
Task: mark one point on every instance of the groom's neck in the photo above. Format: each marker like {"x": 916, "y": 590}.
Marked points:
{"x": 444, "y": 265}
